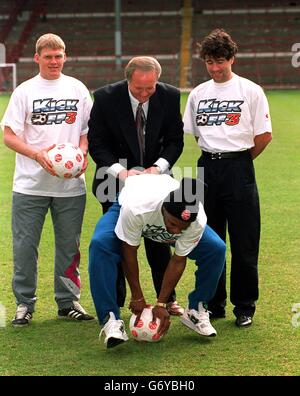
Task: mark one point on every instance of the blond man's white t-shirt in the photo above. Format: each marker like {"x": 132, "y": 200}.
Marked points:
{"x": 42, "y": 113}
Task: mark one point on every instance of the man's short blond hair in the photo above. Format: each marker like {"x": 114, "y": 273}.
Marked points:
{"x": 143, "y": 63}
{"x": 49, "y": 40}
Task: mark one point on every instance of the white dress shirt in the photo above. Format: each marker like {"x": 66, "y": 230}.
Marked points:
{"x": 162, "y": 163}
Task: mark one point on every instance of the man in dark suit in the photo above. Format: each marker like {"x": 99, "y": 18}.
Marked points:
{"x": 136, "y": 127}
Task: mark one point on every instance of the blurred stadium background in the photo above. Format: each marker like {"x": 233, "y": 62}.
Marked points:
{"x": 265, "y": 31}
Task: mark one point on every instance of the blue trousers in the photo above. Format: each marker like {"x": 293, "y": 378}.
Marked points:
{"x": 105, "y": 256}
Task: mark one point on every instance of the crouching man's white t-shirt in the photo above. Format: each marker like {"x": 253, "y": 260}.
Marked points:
{"x": 141, "y": 203}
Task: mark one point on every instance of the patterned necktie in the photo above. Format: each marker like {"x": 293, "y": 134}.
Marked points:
{"x": 140, "y": 121}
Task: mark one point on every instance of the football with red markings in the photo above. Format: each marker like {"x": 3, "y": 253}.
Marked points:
{"x": 145, "y": 329}
{"x": 67, "y": 160}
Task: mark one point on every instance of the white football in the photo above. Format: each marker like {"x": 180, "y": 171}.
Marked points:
{"x": 146, "y": 329}
{"x": 67, "y": 160}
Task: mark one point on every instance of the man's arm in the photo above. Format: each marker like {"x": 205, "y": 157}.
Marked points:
{"x": 83, "y": 145}
{"x": 260, "y": 143}
{"x": 101, "y": 141}
{"x": 99, "y": 136}
{"x": 131, "y": 271}
{"x": 172, "y": 275}
{"x": 172, "y": 143}
{"x": 12, "y": 141}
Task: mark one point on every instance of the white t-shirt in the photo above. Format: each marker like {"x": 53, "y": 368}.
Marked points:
{"x": 41, "y": 113}
{"x": 227, "y": 116}
{"x": 141, "y": 216}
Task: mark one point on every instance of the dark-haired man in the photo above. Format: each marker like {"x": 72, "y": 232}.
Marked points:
{"x": 159, "y": 208}
{"x": 229, "y": 116}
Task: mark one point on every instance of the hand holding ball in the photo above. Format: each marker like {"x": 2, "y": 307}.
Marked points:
{"x": 145, "y": 329}
{"x": 67, "y": 160}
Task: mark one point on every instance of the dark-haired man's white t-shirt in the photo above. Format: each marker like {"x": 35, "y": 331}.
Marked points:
{"x": 227, "y": 116}
{"x": 141, "y": 203}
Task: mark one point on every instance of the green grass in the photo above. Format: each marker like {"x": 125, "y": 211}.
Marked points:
{"x": 270, "y": 347}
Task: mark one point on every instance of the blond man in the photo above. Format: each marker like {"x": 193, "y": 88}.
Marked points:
{"x": 46, "y": 110}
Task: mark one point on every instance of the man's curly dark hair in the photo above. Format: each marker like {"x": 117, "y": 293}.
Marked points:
{"x": 218, "y": 44}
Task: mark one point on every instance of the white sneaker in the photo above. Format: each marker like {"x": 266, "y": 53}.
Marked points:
{"x": 198, "y": 321}
{"x": 114, "y": 331}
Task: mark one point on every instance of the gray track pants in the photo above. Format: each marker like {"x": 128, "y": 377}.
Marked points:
{"x": 28, "y": 216}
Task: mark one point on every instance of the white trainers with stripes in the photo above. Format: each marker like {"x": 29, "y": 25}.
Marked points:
{"x": 22, "y": 316}
{"x": 75, "y": 312}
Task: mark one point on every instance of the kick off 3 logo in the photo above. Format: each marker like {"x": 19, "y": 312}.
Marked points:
{"x": 296, "y": 56}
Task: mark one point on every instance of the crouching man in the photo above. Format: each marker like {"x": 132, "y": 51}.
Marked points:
{"x": 165, "y": 210}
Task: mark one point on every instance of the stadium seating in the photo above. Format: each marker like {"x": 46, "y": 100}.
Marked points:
{"x": 265, "y": 31}
{"x": 87, "y": 27}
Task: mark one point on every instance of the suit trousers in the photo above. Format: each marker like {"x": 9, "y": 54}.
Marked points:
{"x": 158, "y": 257}
{"x": 105, "y": 256}
{"x": 232, "y": 201}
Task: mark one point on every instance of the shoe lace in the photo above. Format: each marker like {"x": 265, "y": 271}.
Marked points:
{"x": 21, "y": 311}
{"x": 78, "y": 308}
{"x": 203, "y": 316}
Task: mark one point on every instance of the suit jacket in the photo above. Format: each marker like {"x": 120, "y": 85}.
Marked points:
{"x": 112, "y": 134}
